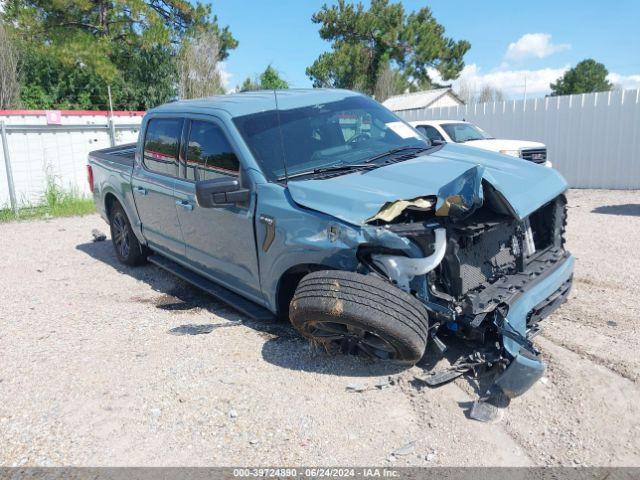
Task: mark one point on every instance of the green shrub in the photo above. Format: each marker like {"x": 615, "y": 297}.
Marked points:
{"x": 56, "y": 202}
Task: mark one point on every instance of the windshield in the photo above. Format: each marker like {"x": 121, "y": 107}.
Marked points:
{"x": 343, "y": 132}
{"x": 464, "y": 132}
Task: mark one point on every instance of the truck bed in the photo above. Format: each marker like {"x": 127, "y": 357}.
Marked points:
{"x": 121, "y": 154}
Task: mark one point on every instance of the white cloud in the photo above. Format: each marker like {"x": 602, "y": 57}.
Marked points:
{"x": 511, "y": 82}
{"x": 533, "y": 45}
{"x": 225, "y": 77}
{"x": 625, "y": 81}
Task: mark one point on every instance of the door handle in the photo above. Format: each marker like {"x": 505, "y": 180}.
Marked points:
{"x": 140, "y": 190}
{"x": 184, "y": 204}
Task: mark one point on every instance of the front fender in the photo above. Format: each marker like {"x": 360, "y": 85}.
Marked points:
{"x": 300, "y": 236}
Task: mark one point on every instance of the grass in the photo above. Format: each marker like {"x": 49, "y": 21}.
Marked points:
{"x": 56, "y": 202}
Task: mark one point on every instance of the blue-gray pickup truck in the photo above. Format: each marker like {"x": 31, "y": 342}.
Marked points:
{"x": 324, "y": 208}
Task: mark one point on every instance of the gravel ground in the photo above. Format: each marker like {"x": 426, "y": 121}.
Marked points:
{"x": 94, "y": 369}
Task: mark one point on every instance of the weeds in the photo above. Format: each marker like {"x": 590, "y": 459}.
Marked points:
{"x": 56, "y": 202}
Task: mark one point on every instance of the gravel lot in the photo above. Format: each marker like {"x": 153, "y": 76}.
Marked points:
{"x": 94, "y": 371}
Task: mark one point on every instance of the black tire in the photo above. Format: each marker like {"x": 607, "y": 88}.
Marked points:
{"x": 128, "y": 249}
{"x": 360, "y": 314}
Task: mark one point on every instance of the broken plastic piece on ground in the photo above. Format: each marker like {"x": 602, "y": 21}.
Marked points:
{"x": 361, "y": 387}
{"x": 484, "y": 411}
{"x": 440, "y": 377}
{"x": 391, "y": 210}
{"x": 192, "y": 329}
{"x": 98, "y": 236}
{"x": 356, "y": 387}
{"x": 387, "y": 382}
{"x": 489, "y": 408}
{"x": 405, "y": 449}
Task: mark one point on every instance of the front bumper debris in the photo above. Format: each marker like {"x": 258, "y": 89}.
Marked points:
{"x": 523, "y": 371}
{"x": 546, "y": 294}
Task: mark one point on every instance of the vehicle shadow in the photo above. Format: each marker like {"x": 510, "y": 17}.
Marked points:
{"x": 284, "y": 347}
{"x": 298, "y": 354}
{"x": 175, "y": 294}
{"x": 628, "y": 209}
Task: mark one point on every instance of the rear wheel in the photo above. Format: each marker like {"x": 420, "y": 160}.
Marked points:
{"x": 360, "y": 314}
{"x": 128, "y": 249}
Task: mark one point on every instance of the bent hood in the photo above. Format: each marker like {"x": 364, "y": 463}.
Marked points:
{"x": 358, "y": 196}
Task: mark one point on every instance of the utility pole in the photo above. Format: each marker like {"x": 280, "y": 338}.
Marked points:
{"x": 112, "y": 128}
{"x": 7, "y": 165}
{"x": 110, "y": 101}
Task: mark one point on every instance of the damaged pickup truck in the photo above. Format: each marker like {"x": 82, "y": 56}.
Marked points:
{"x": 323, "y": 207}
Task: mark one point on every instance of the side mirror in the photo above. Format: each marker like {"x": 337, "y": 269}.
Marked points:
{"x": 220, "y": 192}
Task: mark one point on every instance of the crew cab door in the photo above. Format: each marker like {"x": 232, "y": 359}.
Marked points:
{"x": 153, "y": 183}
{"x": 220, "y": 241}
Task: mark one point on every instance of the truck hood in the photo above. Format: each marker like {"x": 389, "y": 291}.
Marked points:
{"x": 497, "y": 144}
{"x": 356, "y": 197}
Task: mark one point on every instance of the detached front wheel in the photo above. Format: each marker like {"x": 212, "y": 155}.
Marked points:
{"x": 360, "y": 314}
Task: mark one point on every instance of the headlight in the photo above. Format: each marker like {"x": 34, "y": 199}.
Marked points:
{"x": 511, "y": 153}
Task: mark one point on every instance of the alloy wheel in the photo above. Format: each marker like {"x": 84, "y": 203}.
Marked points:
{"x": 353, "y": 339}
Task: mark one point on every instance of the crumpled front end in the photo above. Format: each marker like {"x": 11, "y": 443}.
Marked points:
{"x": 487, "y": 275}
{"x": 477, "y": 239}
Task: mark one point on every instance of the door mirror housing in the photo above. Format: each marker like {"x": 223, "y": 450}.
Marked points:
{"x": 220, "y": 192}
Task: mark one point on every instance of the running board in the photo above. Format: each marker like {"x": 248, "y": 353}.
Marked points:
{"x": 226, "y": 296}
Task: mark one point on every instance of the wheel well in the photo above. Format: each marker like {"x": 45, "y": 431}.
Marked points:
{"x": 109, "y": 201}
{"x": 289, "y": 282}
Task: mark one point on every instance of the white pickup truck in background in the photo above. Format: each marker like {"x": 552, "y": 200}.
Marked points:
{"x": 455, "y": 131}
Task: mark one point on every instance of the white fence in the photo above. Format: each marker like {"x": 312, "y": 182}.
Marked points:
{"x": 592, "y": 139}
{"x": 38, "y": 145}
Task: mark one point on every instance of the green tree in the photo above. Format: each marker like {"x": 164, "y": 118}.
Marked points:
{"x": 72, "y": 50}
{"x": 586, "y": 77}
{"x": 268, "y": 80}
{"x": 366, "y": 44}
{"x": 250, "y": 85}
{"x": 198, "y": 68}
{"x": 9, "y": 83}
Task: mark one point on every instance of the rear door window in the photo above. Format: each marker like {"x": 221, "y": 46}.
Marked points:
{"x": 161, "y": 145}
{"x": 209, "y": 153}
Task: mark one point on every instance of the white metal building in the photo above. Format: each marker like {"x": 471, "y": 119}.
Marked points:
{"x": 437, "y": 98}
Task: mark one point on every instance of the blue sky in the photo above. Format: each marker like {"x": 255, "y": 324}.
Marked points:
{"x": 510, "y": 41}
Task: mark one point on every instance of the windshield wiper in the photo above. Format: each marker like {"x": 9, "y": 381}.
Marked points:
{"x": 334, "y": 168}
{"x": 394, "y": 151}
{"x": 346, "y": 166}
